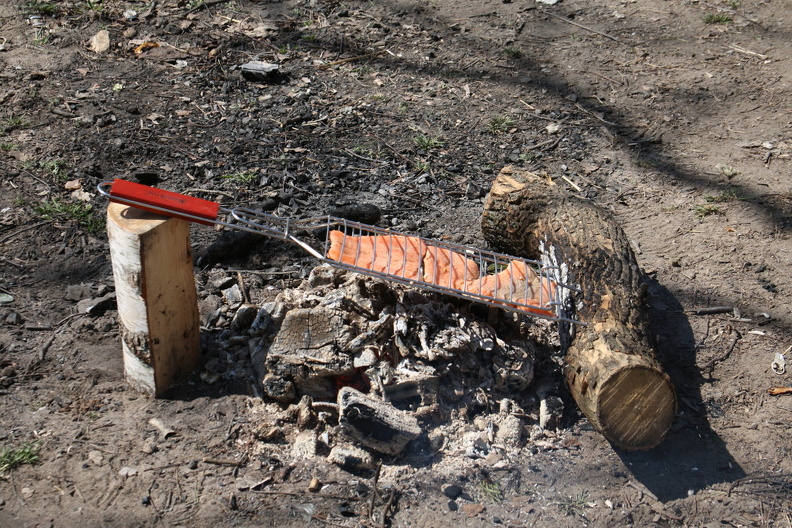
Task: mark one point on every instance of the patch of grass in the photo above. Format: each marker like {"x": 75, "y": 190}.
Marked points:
{"x": 10, "y": 458}
{"x": 241, "y": 177}
{"x": 7, "y": 146}
{"x": 512, "y": 52}
{"x": 717, "y": 18}
{"x": 79, "y": 212}
{"x": 735, "y": 4}
{"x": 730, "y": 195}
{"x": 427, "y": 143}
{"x": 57, "y": 170}
{"x": 491, "y": 491}
{"x": 14, "y": 122}
{"x": 500, "y": 123}
{"x": 40, "y": 8}
{"x": 309, "y": 38}
{"x": 573, "y": 505}
{"x": 93, "y": 5}
{"x": 708, "y": 209}
{"x": 729, "y": 171}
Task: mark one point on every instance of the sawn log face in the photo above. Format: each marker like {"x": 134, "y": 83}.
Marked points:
{"x": 610, "y": 364}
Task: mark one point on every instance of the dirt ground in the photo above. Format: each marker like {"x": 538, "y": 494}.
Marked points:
{"x": 672, "y": 114}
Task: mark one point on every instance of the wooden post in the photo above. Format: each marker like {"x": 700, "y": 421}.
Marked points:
{"x": 610, "y": 367}
{"x": 157, "y": 302}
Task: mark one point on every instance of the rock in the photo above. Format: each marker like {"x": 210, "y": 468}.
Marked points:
{"x": 78, "y": 292}
{"x": 96, "y": 458}
{"x": 127, "y": 471}
{"x": 452, "y": 492}
{"x": 375, "y": 424}
{"x": 233, "y": 295}
{"x": 98, "y": 305}
{"x": 257, "y": 71}
{"x": 352, "y": 459}
{"x": 243, "y": 317}
{"x": 14, "y": 319}
{"x": 100, "y": 42}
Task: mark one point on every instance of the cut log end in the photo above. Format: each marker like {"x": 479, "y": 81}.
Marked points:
{"x": 636, "y": 407}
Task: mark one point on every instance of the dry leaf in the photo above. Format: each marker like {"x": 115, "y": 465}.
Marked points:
{"x": 471, "y": 510}
{"x": 72, "y": 185}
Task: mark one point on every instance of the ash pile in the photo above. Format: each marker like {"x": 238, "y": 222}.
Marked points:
{"x": 365, "y": 369}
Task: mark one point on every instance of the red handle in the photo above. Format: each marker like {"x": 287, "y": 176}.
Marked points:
{"x": 165, "y": 202}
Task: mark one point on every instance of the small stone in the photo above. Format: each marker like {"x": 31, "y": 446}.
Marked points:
{"x": 96, "y": 458}
{"x": 257, "y": 71}
{"x": 452, "y": 492}
{"x": 233, "y": 295}
{"x": 146, "y": 501}
{"x": 452, "y": 506}
{"x": 98, "y": 305}
{"x": 243, "y": 317}
{"x": 127, "y": 471}
{"x": 100, "y": 42}
{"x": 78, "y": 292}
{"x": 193, "y": 464}
{"x": 14, "y": 319}
{"x": 149, "y": 446}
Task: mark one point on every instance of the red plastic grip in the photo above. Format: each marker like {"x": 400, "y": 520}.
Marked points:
{"x": 173, "y": 204}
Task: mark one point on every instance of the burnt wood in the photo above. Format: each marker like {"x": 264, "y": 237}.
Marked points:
{"x": 611, "y": 368}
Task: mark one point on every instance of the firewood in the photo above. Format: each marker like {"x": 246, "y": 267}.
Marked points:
{"x": 157, "y": 301}
{"x": 611, "y": 368}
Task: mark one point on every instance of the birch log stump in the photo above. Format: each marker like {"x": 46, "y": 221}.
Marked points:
{"x": 610, "y": 366}
{"x": 157, "y": 301}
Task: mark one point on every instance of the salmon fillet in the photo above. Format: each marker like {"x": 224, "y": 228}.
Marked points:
{"x": 410, "y": 258}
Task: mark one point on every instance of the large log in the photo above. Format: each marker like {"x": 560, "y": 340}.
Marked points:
{"x": 610, "y": 367}
{"x": 157, "y": 301}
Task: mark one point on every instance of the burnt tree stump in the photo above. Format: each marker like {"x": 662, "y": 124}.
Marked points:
{"x": 611, "y": 367}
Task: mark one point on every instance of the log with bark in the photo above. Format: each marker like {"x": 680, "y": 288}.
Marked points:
{"x": 610, "y": 367}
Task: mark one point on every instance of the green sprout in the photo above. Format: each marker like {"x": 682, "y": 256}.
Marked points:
{"x": 11, "y": 458}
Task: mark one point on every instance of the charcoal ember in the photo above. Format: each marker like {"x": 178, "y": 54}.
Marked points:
{"x": 306, "y": 416}
{"x": 310, "y": 344}
{"x": 551, "y": 409}
{"x": 375, "y": 424}
{"x": 412, "y": 393}
{"x": 270, "y": 314}
{"x": 513, "y": 367}
{"x": 351, "y": 458}
{"x": 358, "y": 212}
{"x": 243, "y": 317}
{"x": 278, "y": 388}
{"x": 510, "y": 430}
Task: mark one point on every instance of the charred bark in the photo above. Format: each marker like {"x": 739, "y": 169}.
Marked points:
{"x": 611, "y": 367}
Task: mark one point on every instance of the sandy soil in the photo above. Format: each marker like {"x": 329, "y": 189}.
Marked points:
{"x": 674, "y": 115}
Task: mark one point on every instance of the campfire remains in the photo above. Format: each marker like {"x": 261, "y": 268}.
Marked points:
{"x": 388, "y": 364}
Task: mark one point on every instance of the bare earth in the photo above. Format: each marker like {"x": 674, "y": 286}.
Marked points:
{"x": 672, "y": 114}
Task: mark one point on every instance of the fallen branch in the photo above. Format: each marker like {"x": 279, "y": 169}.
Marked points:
{"x": 581, "y": 26}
